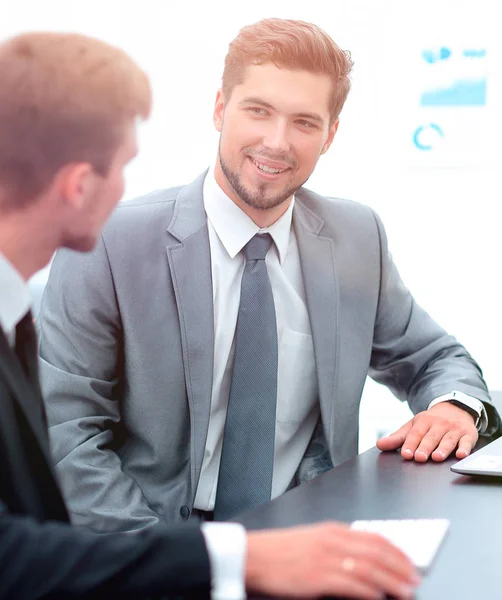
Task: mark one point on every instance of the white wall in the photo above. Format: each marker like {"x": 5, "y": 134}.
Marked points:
{"x": 441, "y": 208}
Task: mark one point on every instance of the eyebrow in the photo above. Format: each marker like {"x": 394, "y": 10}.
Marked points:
{"x": 302, "y": 115}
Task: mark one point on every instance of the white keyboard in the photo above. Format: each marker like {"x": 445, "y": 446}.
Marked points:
{"x": 418, "y": 538}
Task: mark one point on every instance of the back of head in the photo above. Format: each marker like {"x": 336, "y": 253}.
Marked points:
{"x": 64, "y": 98}
{"x": 289, "y": 44}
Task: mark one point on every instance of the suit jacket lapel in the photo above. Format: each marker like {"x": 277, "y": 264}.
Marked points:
{"x": 26, "y": 394}
{"x": 317, "y": 257}
{"x": 190, "y": 263}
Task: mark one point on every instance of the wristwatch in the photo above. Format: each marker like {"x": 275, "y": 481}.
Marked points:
{"x": 472, "y": 411}
{"x": 468, "y": 403}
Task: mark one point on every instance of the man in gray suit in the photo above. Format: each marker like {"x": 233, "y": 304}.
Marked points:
{"x": 211, "y": 353}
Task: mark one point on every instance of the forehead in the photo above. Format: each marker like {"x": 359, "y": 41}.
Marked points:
{"x": 293, "y": 91}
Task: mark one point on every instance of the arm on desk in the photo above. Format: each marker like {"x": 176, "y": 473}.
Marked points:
{"x": 412, "y": 355}
{"x": 419, "y": 361}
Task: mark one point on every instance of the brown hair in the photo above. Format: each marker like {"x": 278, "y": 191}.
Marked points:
{"x": 63, "y": 98}
{"x": 289, "y": 44}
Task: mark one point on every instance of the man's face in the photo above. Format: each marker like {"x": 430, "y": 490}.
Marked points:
{"x": 101, "y": 197}
{"x": 273, "y": 130}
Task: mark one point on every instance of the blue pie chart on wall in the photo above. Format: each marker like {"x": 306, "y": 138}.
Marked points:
{"x": 426, "y": 137}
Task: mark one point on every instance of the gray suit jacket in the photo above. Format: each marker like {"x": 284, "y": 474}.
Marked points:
{"x": 126, "y": 347}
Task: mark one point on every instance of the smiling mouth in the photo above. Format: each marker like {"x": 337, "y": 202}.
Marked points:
{"x": 267, "y": 169}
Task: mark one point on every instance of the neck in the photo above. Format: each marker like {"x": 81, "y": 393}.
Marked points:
{"x": 261, "y": 217}
{"x": 25, "y": 244}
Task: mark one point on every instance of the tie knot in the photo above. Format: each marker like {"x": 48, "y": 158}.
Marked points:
{"x": 258, "y": 246}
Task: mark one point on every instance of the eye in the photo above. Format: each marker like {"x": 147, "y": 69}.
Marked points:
{"x": 306, "y": 124}
{"x": 258, "y": 110}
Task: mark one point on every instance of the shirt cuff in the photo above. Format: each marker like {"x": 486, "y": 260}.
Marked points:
{"x": 226, "y": 546}
{"x": 469, "y": 401}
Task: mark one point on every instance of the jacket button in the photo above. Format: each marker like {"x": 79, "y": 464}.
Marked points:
{"x": 184, "y": 512}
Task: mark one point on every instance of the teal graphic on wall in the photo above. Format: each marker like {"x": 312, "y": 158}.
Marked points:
{"x": 464, "y": 79}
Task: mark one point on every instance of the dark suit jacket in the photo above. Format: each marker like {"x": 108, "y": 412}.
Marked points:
{"x": 41, "y": 556}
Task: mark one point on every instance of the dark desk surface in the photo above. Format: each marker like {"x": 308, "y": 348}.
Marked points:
{"x": 384, "y": 486}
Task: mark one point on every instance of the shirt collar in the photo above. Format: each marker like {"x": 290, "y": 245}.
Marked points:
{"x": 15, "y": 299}
{"x": 233, "y": 226}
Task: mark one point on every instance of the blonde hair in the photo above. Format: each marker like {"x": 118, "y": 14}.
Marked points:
{"x": 63, "y": 98}
{"x": 289, "y": 44}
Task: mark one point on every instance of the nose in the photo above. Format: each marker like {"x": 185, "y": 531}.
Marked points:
{"x": 277, "y": 137}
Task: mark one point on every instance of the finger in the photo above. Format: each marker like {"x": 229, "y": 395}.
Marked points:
{"x": 341, "y": 584}
{"x": 378, "y": 550}
{"x": 432, "y": 439}
{"x": 360, "y": 576}
{"x": 383, "y": 580}
{"x": 414, "y": 438}
{"x": 446, "y": 446}
{"x": 394, "y": 440}
{"x": 466, "y": 444}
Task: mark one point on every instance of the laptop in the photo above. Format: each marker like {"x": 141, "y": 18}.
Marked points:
{"x": 486, "y": 461}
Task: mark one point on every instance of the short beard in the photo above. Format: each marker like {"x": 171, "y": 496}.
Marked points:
{"x": 259, "y": 199}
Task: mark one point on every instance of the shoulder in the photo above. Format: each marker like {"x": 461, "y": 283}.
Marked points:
{"x": 148, "y": 206}
{"x": 141, "y": 218}
{"x": 337, "y": 213}
{"x": 158, "y": 197}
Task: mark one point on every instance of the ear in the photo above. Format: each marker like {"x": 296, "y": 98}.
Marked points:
{"x": 75, "y": 183}
{"x": 331, "y": 135}
{"x": 219, "y": 109}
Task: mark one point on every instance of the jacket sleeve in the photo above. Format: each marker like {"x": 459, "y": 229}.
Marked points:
{"x": 53, "y": 560}
{"x": 80, "y": 342}
{"x": 412, "y": 354}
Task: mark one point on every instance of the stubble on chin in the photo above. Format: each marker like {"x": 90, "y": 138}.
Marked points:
{"x": 258, "y": 199}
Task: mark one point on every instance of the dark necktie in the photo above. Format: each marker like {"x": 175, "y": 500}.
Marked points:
{"x": 247, "y": 458}
{"x": 26, "y": 347}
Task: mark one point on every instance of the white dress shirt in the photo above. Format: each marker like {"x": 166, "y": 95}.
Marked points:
{"x": 15, "y": 299}
{"x": 230, "y": 229}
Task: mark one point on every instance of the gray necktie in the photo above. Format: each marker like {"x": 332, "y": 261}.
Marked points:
{"x": 247, "y": 458}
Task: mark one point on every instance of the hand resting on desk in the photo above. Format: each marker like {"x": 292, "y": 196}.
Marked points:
{"x": 434, "y": 433}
